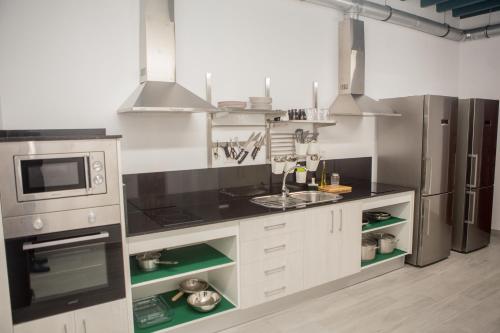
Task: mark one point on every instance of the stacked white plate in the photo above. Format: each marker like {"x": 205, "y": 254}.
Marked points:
{"x": 232, "y": 105}
{"x": 261, "y": 103}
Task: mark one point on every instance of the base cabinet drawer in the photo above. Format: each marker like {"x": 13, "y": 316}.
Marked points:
{"x": 285, "y": 268}
{"x": 108, "y": 317}
{"x": 270, "y": 226}
{"x": 269, "y": 247}
{"x": 261, "y": 292}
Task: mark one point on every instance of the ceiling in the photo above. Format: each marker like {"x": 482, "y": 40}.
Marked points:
{"x": 463, "y": 8}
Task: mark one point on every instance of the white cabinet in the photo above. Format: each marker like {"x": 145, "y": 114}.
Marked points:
{"x": 61, "y": 323}
{"x": 332, "y": 243}
{"x": 107, "y": 317}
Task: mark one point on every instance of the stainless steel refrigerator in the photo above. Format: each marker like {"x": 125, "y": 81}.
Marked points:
{"x": 475, "y": 173}
{"x": 418, "y": 150}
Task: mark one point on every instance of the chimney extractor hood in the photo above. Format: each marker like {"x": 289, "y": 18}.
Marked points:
{"x": 351, "y": 100}
{"x": 158, "y": 91}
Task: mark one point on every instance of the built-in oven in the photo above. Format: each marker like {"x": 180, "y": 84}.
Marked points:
{"x": 48, "y": 176}
{"x": 63, "y": 271}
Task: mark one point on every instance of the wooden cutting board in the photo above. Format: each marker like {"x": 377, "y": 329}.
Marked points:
{"x": 336, "y": 189}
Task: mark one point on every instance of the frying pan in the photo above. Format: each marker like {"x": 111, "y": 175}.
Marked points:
{"x": 190, "y": 286}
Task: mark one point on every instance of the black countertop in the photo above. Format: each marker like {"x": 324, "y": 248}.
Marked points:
{"x": 214, "y": 206}
{"x": 55, "y": 134}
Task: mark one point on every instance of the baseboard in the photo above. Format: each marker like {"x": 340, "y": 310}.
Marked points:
{"x": 495, "y": 232}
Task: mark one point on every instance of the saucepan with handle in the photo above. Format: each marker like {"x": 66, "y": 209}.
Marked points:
{"x": 149, "y": 261}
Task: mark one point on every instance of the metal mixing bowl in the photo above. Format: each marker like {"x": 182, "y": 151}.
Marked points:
{"x": 204, "y": 301}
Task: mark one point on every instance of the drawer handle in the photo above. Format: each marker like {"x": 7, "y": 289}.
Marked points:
{"x": 275, "y": 270}
{"x": 275, "y": 291}
{"x": 276, "y": 248}
{"x": 275, "y": 226}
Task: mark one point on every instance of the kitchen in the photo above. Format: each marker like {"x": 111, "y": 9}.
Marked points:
{"x": 79, "y": 65}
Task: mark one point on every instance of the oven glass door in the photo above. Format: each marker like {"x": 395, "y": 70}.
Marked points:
{"x": 51, "y": 176}
{"x": 64, "y": 271}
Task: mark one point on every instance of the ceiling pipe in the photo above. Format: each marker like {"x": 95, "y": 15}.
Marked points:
{"x": 386, "y": 13}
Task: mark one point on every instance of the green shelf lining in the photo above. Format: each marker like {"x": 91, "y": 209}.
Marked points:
{"x": 379, "y": 224}
{"x": 183, "y": 313}
{"x": 382, "y": 257}
{"x": 191, "y": 258}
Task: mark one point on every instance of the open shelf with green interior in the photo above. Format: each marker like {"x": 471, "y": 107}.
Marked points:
{"x": 223, "y": 280}
{"x": 183, "y": 313}
{"x": 192, "y": 258}
{"x": 379, "y": 258}
{"x": 376, "y": 225}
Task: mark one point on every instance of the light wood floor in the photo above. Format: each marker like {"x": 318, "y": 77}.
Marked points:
{"x": 458, "y": 295}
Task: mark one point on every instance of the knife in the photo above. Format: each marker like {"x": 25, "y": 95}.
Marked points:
{"x": 243, "y": 149}
{"x": 256, "y": 149}
{"x": 248, "y": 147}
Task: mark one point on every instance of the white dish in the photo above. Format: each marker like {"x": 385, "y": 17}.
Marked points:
{"x": 266, "y": 100}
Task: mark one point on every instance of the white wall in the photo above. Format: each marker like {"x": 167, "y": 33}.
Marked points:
{"x": 480, "y": 77}
{"x": 69, "y": 63}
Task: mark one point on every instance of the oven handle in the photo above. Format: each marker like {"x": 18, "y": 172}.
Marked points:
{"x": 30, "y": 246}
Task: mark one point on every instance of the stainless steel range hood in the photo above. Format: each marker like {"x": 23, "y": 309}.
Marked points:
{"x": 158, "y": 91}
{"x": 351, "y": 100}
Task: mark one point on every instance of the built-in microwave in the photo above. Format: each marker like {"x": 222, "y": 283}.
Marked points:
{"x": 39, "y": 177}
{"x": 64, "y": 271}
{"x": 48, "y": 176}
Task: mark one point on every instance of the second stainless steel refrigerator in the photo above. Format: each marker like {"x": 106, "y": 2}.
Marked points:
{"x": 475, "y": 173}
{"x": 418, "y": 150}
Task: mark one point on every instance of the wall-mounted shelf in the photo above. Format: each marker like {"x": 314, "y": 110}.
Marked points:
{"x": 316, "y": 123}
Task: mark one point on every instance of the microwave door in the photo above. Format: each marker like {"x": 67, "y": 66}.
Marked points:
{"x": 51, "y": 176}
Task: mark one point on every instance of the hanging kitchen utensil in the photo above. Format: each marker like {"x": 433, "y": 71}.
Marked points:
{"x": 233, "y": 150}
{"x": 242, "y": 148}
{"x": 149, "y": 261}
{"x": 248, "y": 147}
{"x": 190, "y": 286}
{"x": 226, "y": 150}
{"x": 257, "y": 147}
{"x": 298, "y": 134}
{"x": 216, "y": 151}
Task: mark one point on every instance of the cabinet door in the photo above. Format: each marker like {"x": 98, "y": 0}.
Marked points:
{"x": 321, "y": 247}
{"x": 108, "y": 317}
{"x": 62, "y": 323}
{"x": 350, "y": 234}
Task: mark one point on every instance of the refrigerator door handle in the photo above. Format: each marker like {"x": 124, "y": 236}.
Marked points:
{"x": 473, "y": 165}
{"x": 428, "y": 175}
{"x": 471, "y": 212}
{"x": 426, "y": 215}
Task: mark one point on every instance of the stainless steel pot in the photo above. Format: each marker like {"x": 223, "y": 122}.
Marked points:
{"x": 149, "y": 261}
{"x": 368, "y": 249}
{"x": 387, "y": 243}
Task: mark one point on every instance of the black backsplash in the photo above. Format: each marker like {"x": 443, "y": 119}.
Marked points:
{"x": 200, "y": 180}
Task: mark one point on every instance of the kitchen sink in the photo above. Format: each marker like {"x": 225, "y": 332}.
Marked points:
{"x": 278, "y": 201}
{"x": 315, "y": 196}
{"x": 295, "y": 199}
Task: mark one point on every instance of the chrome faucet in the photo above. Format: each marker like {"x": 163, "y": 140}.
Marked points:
{"x": 284, "y": 190}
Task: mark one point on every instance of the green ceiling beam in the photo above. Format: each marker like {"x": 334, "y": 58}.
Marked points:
{"x": 427, "y": 3}
{"x": 476, "y": 8}
{"x": 496, "y": 9}
{"x": 452, "y": 4}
